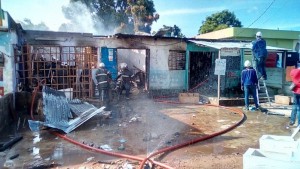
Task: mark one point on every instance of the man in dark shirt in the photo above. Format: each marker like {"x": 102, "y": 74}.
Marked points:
{"x": 260, "y": 54}
{"x": 249, "y": 84}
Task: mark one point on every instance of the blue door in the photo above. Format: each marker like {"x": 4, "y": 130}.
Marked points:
{"x": 109, "y": 58}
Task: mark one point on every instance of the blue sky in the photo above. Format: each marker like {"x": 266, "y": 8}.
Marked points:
{"x": 187, "y": 14}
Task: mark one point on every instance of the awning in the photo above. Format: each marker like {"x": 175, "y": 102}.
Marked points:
{"x": 240, "y": 45}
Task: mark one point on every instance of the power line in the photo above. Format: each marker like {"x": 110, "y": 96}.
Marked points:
{"x": 278, "y": 11}
{"x": 241, "y": 31}
{"x": 262, "y": 13}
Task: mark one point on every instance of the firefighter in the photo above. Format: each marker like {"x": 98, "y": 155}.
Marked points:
{"x": 125, "y": 76}
{"x": 102, "y": 77}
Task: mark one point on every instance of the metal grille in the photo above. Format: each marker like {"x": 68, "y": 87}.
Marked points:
{"x": 61, "y": 67}
{"x": 176, "y": 60}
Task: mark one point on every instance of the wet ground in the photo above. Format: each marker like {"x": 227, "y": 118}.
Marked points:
{"x": 139, "y": 127}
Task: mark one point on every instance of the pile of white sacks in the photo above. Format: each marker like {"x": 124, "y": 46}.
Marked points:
{"x": 275, "y": 152}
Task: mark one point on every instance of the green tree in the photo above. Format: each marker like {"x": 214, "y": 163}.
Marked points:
{"x": 123, "y": 16}
{"x": 177, "y": 32}
{"x": 28, "y": 25}
{"x": 143, "y": 14}
{"x": 219, "y": 20}
{"x": 169, "y": 31}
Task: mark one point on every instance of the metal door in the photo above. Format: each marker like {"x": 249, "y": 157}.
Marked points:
{"x": 109, "y": 58}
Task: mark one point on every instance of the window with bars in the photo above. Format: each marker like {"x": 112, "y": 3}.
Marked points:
{"x": 176, "y": 60}
{"x": 60, "y": 67}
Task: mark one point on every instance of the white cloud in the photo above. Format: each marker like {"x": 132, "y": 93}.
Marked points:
{"x": 253, "y": 9}
{"x": 190, "y": 11}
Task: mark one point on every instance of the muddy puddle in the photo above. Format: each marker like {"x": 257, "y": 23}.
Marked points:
{"x": 139, "y": 127}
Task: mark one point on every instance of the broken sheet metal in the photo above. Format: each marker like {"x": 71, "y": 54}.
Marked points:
{"x": 57, "y": 110}
{"x": 77, "y": 106}
{"x": 56, "y": 107}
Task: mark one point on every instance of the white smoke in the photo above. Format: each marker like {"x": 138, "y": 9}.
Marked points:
{"x": 81, "y": 20}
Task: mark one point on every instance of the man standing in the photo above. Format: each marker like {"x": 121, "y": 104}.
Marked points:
{"x": 260, "y": 55}
{"x": 295, "y": 74}
{"x": 102, "y": 77}
{"x": 249, "y": 84}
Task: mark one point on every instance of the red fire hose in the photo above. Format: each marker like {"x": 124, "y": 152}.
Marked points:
{"x": 168, "y": 149}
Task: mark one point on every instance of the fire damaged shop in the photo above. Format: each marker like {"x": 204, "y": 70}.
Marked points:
{"x": 68, "y": 61}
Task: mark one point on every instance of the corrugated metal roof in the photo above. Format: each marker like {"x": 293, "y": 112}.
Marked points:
{"x": 240, "y": 45}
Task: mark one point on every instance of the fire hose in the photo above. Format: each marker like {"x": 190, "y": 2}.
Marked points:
{"x": 160, "y": 151}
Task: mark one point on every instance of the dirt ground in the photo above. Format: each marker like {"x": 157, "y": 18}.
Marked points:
{"x": 146, "y": 126}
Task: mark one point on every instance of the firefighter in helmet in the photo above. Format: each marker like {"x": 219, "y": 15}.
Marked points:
{"x": 103, "y": 77}
{"x": 125, "y": 76}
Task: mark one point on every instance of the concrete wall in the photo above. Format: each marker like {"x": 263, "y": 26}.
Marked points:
{"x": 7, "y": 39}
{"x": 160, "y": 77}
{"x": 6, "y": 111}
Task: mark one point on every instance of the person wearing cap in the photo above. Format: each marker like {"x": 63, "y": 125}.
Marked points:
{"x": 249, "y": 83}
{"x": 295, "y": 75}
{"x": 102, "y": 77}
{"x": 260, "y": 55}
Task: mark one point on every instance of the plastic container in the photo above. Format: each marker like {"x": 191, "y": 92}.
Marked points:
{"x": 34, "y": 125}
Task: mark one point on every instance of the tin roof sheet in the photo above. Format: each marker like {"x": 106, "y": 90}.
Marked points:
{"x": 236, "y": 44}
